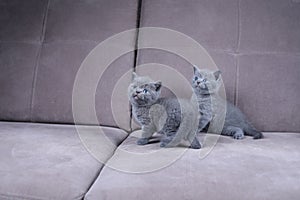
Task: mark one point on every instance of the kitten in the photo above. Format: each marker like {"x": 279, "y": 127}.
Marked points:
{"x": 206, "y": 85}
{"x": 176, "y": 119}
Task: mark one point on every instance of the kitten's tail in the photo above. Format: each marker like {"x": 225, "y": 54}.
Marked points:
{"x": 250, "y": 130}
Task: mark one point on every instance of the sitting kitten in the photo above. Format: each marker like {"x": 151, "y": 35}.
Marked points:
{"x": 176, "y": 119}
{"x": 206, "y": 84}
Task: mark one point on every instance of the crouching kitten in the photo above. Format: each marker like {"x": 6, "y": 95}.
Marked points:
{"x": 176, "y": 119}
{"x": 205, "y": 84}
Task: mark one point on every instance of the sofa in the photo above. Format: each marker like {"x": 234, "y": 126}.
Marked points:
{"x": 53, "y": 148}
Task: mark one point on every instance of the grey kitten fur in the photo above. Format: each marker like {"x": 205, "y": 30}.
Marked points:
{"x": 206, "y": 85}
{"x": 176, "y": 119}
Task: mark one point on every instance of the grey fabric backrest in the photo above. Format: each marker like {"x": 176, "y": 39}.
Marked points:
{"x": 44, "y": 42}
{"x": 255, "y": 43}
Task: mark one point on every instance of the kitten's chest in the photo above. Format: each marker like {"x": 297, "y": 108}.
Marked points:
{"x": 205, "y": 105}
{"x": 141, "y": 114}
{"x": 212, "y": 104}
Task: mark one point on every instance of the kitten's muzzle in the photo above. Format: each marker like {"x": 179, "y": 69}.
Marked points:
{"x": 200, "y": 84}
{"x": 136, "y": 95}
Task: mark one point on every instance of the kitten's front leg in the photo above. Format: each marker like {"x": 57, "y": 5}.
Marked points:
{"x": 169, "y": 131}
{"x": 147, "y": 132}
{"x": 204, "y": 120}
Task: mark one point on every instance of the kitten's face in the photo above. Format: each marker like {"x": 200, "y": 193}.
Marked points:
{"x": 143, "y": 91}
{"x": 206, "y": 81}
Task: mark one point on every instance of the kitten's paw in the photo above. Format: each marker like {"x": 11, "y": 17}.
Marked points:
{"x": 195, "y": 144}
{"x": 166, "y": 145}
{"x": 142, "y": 141}
{"x": 238, "y": 136}
{"x": 163, "y": 144}
{"x": 259, "y": 135}
{"x": 165, "y": 141}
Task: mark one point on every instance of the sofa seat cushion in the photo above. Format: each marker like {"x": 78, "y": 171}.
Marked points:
{"x": 40, "y": 161}
{"x": 234, "y": 169}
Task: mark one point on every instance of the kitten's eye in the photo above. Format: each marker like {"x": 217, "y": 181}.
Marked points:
{"x": 196, "y": 78}
{"x": 204, "y": 80}
{"x": 145, "y": 91}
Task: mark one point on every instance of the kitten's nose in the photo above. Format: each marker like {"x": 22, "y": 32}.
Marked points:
{"x": 138, "y": 91}
{"x": 198, "y": 82}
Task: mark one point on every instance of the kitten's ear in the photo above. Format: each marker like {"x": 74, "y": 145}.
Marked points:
{"x": 196, "y": 70}
{"x": 157, "y": 85}
{"x": 134, "y": 75}
{"x": 217, "y": 74}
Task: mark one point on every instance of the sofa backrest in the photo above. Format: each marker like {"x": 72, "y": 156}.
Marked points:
{"x": 255, "y": 43}
{"x": 44, "y": 42}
